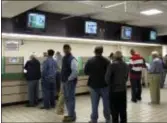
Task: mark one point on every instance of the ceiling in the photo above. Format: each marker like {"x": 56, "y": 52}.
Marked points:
{"x": 128, "y": 13}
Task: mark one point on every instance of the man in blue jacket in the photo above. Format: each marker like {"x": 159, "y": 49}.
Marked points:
{"x": 69, "y": 73}
{"x": 49, "y": 69}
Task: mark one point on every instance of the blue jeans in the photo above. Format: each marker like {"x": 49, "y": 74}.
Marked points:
{"x": 69, "y": 96}
{"x": 49, "y": 94}
{"x": 95, "y": 98}
{"x": 33, "y": 91}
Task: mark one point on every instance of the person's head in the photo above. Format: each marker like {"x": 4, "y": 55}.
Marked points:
{"x": 98, "y": 50}
{"x": 58, "y": 53}
{"x": 45, "y": 54}
{"x": 132, "y": 51}
{"x": 118, "y": 55}
{"x": 111, "y": 56}
{"x": 155, "y": 54}
{"x": 32, "y": 57}
{"x": 67, "y": 49}
{"x": 50, "y": 52}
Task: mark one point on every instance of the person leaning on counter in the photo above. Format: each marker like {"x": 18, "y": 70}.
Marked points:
{"x": 33, "y": 74}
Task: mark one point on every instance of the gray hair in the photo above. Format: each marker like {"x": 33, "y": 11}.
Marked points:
{"x": 155, "y": 54}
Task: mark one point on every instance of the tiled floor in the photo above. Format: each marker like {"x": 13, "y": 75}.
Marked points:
{"x": 140, "y": 112}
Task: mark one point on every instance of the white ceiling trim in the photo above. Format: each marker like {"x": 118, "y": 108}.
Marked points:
{"x": 14, "y": 36}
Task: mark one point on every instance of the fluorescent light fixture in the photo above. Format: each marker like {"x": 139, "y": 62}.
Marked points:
{"x": 151, "y": 12}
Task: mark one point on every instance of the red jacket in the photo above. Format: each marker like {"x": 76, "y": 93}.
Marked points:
{"x": 136, "y": 66}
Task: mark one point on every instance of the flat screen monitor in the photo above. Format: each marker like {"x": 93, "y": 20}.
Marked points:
{"x": 153, "y": 35}
{"x": 90, "y": 27}
{"x": 126, "y": 32}
{"x": 36, "y": 21}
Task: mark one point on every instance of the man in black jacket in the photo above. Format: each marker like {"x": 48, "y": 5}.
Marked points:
{"x": 96, "y": 68}
{"x": 33, "y": 74}
{"x": 116, "y": 77}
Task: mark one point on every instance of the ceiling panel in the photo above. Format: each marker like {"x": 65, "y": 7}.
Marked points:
{"x": 69, "y": 7}
{"x": 13, "y": 8}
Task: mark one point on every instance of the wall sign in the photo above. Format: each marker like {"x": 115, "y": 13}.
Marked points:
{"x": 12, "y": 45}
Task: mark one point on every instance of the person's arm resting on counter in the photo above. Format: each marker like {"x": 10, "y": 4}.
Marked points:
{"x": 74, "y": 69}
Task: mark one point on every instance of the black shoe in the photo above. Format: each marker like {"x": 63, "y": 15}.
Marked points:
{"x": 28, "y": 105}
{"x": 68, "y": 119}
{"x": 134, "y": 101}
{"x": 53, "y": 106}
{"x": 44, "y": 108}
{"x": 139, "y": 99}
{"x": 92, "y": 122}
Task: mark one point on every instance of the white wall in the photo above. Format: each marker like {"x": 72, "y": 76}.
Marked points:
{"x": 80, "y": 49}
{"x": 164, "y": 50}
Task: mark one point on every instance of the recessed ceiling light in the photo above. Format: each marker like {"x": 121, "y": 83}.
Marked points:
{"x": 151, "y": 12}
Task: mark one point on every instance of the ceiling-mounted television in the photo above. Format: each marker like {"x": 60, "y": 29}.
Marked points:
{"x": 36, "y": 21}
{"x": 90, "y": 27}
{"x": 126, "y": 32}
{"x": 153, "y": 35}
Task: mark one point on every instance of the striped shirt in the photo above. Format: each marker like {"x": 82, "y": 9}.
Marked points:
{"x": 136, "y": 66}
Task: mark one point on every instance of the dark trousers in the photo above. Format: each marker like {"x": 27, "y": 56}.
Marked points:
{"x": 118, "y": 106}
{"x": 33, "y": 89}
{"x": 58, "y": 82}
{"x": 136, "y": 87}
{"x": 49, "y": 93}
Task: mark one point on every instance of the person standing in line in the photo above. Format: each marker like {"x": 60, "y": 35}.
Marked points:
{"x": 155, "y": 77}
{"x": 111, "y": 57}
{"x": 165, "y": 70}
{"x": 45, "y": 55}
{"x": 58, "y": 59}
{"x": 165, "y": 67}
{"x": 69, "y": 75}
{"x": 136, "y": 66}
{"x": 33, "y": 74}
{"x": 60, "y": 103}
{"x": 96, "y": 68}
{"x": 49, "y": 69}
{"x": 117, "y": 77}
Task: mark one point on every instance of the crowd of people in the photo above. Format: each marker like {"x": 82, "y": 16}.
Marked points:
{"x": 107, "y": 80}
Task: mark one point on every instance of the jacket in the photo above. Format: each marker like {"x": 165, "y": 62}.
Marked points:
{"x": 49, "y": 70}
{"x": 33, "y": 70}
{"x": 136, "y": 65}
{"x": 69, "y": 71}
{"x": 156, "y": 66}
{"x": 117, "y": 76}
{"x": 96, "y": 68}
